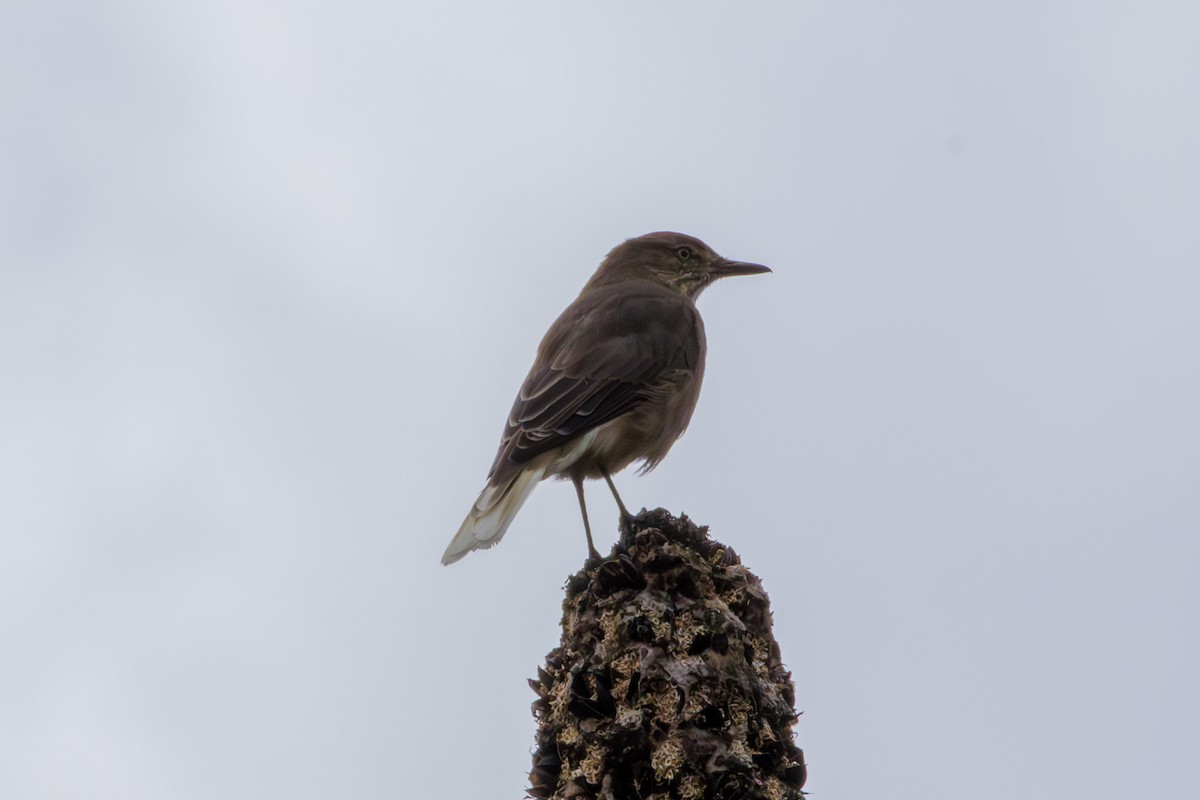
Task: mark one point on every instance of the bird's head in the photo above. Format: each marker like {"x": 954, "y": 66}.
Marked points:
{"x": 675, "y": 260}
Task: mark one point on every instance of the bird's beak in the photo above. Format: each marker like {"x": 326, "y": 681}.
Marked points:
{"x": 725, "y": 268}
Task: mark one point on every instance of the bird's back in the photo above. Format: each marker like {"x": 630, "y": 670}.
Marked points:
{"x": 625, "y": 360}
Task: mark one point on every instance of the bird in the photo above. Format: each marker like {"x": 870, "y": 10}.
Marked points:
{"x": 615, "y": 380}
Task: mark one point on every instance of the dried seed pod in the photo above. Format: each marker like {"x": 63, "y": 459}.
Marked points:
{"x": 668, "y": 681}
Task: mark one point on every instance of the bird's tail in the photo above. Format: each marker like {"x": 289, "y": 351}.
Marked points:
{"x": 491, "y": 515}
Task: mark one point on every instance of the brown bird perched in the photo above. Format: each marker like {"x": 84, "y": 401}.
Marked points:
{"x": 615, "y": 380}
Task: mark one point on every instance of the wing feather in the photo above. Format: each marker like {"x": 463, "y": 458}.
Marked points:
{"x": 607, "y": 354}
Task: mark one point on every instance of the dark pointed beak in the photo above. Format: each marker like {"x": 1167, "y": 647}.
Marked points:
{"x": 725, "y": 268}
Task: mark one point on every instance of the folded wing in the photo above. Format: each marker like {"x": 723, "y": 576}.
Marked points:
{"x": 606, "y": 355}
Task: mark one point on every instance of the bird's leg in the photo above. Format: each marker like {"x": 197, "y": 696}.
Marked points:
{"x": 626, "y": 517}
{"x": 593, "y": 555}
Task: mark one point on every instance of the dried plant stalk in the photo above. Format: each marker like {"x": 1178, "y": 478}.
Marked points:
{"x": 668, "y": 682}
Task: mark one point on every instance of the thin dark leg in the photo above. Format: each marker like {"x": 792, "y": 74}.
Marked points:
{"x": 593, "y": 555}
{"x": 626, "y": 517}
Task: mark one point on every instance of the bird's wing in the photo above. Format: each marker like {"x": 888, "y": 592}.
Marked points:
{"x": 609, "y": 352}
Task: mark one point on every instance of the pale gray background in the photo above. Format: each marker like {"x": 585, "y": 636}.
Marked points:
{"x": 272, "y": 272}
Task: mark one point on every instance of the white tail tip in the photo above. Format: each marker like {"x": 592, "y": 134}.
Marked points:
{"x": 491, "y": 515}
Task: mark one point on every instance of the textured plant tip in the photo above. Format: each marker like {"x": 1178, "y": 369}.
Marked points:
{"x": 668, "y": 682}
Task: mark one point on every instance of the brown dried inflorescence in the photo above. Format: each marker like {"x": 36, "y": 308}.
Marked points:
{"x": 668, "y": 682}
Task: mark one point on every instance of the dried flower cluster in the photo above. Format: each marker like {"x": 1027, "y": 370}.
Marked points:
{"x": 668, "y": 682}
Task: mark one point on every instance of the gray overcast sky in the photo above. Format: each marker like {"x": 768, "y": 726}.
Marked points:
{"x": 271, "y": 273}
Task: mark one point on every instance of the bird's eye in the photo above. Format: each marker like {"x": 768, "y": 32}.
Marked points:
{"x": 684, "y": 253}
